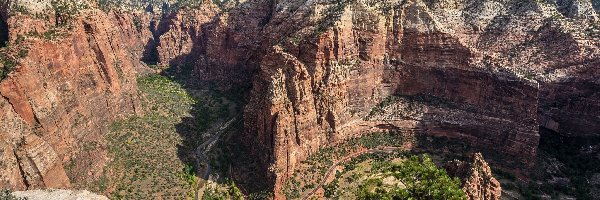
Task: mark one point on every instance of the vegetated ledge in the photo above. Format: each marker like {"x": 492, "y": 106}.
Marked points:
{"x": 327, "y": 167}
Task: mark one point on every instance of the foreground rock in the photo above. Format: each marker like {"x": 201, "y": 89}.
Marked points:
{"x": 58, "y": 194}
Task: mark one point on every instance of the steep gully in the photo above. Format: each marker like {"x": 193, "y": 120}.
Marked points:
{"x": 311, "y": 84}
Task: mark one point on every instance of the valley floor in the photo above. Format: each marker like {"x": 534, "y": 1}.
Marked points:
{"x": 153, "y": 156}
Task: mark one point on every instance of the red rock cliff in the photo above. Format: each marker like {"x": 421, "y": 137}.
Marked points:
{"x": 491, "y": 61}
{"x": 66, "y": 88}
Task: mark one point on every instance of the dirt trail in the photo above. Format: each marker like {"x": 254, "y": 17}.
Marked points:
{"x": 205, "y": 147}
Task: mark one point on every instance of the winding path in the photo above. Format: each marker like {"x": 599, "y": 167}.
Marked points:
{"x": 386, "y": 149}
{"x": 205, "y": 147}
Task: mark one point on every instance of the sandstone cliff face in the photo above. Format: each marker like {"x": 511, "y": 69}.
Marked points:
{"x": 491, "y": 61}
{"x": 221, "y": 42}
{"x": 495, "y": 69}
{"x": 179, "y": 35}
{"x": 66, "y": 88}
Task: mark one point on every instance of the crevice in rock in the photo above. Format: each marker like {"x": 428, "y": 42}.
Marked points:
{"x": 21, "y": 171}
{"x": 563, "y": 6}
{"x": 150, "y": 55}
{"x": 3, "y": 32}
{"x": 100, "y": 57}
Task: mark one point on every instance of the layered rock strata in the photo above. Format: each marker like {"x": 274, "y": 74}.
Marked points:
{"x": 67, "y": 86}
{"x": 486, "y": 72}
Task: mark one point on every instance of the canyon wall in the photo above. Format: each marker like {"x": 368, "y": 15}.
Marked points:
{"x": 490, "y": 72}
{"x": 70, "y": 81}
{"x": 489, "y": 63}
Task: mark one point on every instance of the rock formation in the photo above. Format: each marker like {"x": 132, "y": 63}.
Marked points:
{"x": 478, "y": 184}
{"x": 487, "y": 72}
{"x": 58, "y": 194}
{"x": 70, "y": 81}
{"x": 497, "y": 67}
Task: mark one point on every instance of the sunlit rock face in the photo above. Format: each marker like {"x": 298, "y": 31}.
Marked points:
{"x": 67, "y": 86}
{"x": 500, "y": 69}
{"x": 485, "y": 72}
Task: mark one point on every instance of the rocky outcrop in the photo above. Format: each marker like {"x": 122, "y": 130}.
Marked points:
{"x": 58, "y": 194}
{"x": 232, "y": 46}
{"x": 478, "y": 181}
{"x": 69, "y": 83}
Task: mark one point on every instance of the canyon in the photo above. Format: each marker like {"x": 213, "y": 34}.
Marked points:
{"x": 490, "y": 73}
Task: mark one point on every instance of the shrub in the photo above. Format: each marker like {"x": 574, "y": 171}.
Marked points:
{"x": 330, "y": 188}
{"x": 66, "y": 10}
{"x": 137, "y": 22}
{"x": 7, "y": 65}
{"x": 423, "y": 180}
{"x": 235, "y": 192}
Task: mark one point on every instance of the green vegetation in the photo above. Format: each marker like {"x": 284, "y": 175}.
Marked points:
{"x": 8, "y": 62}
{"x": 65, "y": 11}
{"x": 418, "y": 178}
{"x": 313, "y": 169}
{"x": 189, "y": 175}
{"x": 137, "y": 22}
{"x": 358, "y": 170}
{"x": 380, "y": 107}
{"x": 412, "y": 106}
{"x": 231, "y": 192}
{"x": 145, "y": 149}
{"x": 331, "y": 15}
{"x": 384, "y": 6}
{"x": 7, "y": 66}
{"x": 152, "y": 154}
{"x": 52, "y": 34}
{"x": 225, "y": 5}
{"x": 390, "y": 173}
{"x": 104, "y": 5}
{"x": 331, "y": 188}
{"x": 20, "y": 9}
{"x": 593, "y": 31}
{"x": 165, "y": 7}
